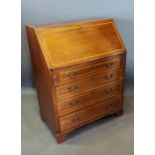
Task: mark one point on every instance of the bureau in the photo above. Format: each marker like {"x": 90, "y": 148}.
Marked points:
{"x": 78, "y": 70}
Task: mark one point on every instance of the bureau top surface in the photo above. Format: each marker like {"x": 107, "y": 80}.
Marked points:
{"x": 65, "y": 45}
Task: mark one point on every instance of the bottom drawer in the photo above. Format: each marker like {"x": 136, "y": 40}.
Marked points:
{"x": 87, "y": 114}
{"x": 76, "y": 118}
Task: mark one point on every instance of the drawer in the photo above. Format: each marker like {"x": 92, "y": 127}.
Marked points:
{"x": 108, "y": 106}
{"x": 76, "y": 118}
{"x": 95, "y": 80}
{"x": 71, "y": 104}
{"x": 75, "y": 72}
{"x": 101, "y": 108}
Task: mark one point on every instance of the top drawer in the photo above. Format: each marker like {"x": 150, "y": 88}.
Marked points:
{"x": 72, "y": 73}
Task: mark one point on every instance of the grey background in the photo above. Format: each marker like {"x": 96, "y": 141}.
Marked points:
{"x": 52, "y": 11}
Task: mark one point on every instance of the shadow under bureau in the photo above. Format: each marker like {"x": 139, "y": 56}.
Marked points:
{"x": 78, "y": 71}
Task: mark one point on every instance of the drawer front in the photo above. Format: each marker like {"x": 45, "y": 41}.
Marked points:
{"x": 92, "y": 112}
{"x": 96, "y": 95}
{"x": 74, "y": 88}
{"x": 83, "y": 70}
{"x": 76, "y": 118}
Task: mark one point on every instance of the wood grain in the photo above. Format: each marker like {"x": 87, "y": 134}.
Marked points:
{"x": 92, "y": 81}
{"x": 89, "y": 113}
{"x": 93, "y": 96}
{"x": 86, "y": 69}
{"x": 43, "y": 84}
{"x": 78, "y": 43}
{"x": 79, "y": 73}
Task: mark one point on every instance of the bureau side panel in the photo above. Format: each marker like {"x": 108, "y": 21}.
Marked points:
{"x": 124, "y": 69}
{"x": 43, "y": 83}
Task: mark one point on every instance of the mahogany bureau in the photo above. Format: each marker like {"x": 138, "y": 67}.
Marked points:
{"x": 78, "y": 71}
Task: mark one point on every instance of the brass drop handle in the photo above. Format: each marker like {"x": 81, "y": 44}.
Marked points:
{"x": 74, "y": 102}
{"x": 76, "y": 119}
{"x": 108, "y": 77}
{"x": 109, "y": 90}
{"x": 72, "y": 74}
{"x": 72, "y": 88}
{"x": 109, "y": 64}
{"x": 109, "y": 106}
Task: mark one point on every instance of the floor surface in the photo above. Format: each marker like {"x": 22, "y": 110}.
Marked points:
{"x": 108, "y": 136}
